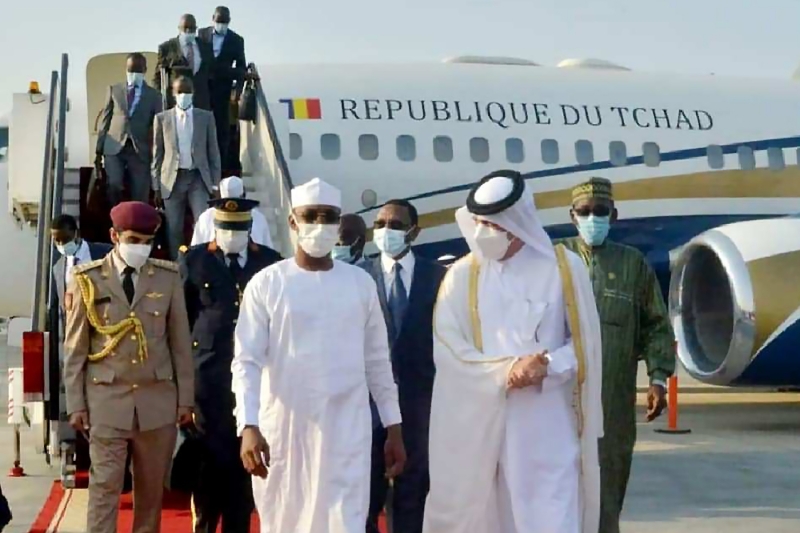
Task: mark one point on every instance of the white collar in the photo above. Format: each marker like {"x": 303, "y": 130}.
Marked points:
{"x": 407, "y": 263}
{"x": 180, "y": 111}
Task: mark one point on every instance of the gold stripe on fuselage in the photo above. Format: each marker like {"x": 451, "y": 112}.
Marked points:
{"x": 759, "y": 183}
{"x": 776, "y": 292}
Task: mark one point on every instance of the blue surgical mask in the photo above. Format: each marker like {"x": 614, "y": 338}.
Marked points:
{"x": 391, "y": 242}
{"x": 183, "y": 100}
{"x": 70, "y": 248}
{"x": 187, "y": 38}
{"x": 221, "y": 27}
{"x": 343, "y": 253}
{"x": 593, "y": 229}
{"x": 134, "y": 78}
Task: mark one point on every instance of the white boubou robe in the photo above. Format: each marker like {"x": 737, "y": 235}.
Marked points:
{"x": 520, "y": 461}
{"x": 310, "y": 346}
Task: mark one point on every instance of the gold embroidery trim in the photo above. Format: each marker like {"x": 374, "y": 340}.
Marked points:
{"x": 115, "y": 332}
{"x": 475, "y": 318}
{"x": 575, "y": 329}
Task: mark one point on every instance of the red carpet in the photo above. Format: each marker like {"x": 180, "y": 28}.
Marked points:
{"x": 59, "y": 509}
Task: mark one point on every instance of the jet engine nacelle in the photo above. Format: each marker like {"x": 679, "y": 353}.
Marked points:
{"x": 734, "y": 301}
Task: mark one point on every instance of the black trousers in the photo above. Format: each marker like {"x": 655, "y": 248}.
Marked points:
{"x": 224, "y": 492}
{"x": 221, "y": 106}
{"x": 411, "y": 487}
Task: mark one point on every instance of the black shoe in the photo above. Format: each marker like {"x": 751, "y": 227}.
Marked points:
{"x": 5, "y": 512}
{"x": 127, "y": 484}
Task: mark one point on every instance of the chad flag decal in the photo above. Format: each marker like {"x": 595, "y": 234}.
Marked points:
{"x": 303, "y": 108}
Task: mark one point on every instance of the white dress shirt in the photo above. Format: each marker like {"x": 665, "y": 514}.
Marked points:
{"x": 184, "y": 125}
{"x": 217, "y": 39}
{"x": 242, "y": 258}
{"x": 82, "y": 255}
{"x": 195, "y": 51}
{"x": 406, "y": 272}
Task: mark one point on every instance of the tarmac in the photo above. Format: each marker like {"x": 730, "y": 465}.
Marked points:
{"x": 738, "y": 471}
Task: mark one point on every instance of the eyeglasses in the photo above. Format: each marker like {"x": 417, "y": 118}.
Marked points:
{"x": 598, "y": 210}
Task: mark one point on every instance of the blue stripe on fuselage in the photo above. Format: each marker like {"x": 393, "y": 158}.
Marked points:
{"x": 654, "y": 237}
{"x": 777, "y": 364}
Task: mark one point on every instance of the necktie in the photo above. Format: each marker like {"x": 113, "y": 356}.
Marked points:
{"x": 131, "y": 94}
{"x": 190, "y": 57}
{"x": 233, "y": 266}
{"x": 398, "y": 299}
{"x": 127, "y": 283}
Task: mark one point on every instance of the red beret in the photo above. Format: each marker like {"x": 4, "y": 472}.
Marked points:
{"x": 135, "y": 216}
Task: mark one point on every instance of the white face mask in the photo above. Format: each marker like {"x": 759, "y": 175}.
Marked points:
{"x": 134, "y": 255}
{"x": 221, "y": 27}
{"x": 135, "y": 78}
{"x": 232, "y": 241}
{"x": 187, "y": 38}
{"x": 492, "y": 243}
{"x": 317, "y": 240}
{"x": 391, "y": 242}
{"x": 183, "y": 100}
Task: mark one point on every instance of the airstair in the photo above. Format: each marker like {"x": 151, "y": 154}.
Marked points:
{"x": 57, "y": 143}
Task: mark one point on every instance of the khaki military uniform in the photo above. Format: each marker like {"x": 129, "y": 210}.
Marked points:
{"x": 130, "y": 367}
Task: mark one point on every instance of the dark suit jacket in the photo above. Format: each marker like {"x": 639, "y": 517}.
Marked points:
{"x": 412, "y": 349}
{"x": 212, "y": 303}
{"x": 170, "y": 57}
{"x": 97, "y": 250}
{"x": 230, "y": 65}
{"x": 116, "y": 127}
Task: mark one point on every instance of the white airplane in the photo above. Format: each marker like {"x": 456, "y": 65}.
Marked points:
{"x": 694, "y": 160}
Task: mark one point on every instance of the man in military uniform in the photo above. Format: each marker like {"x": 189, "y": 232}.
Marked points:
{"x": 215, "y": 275}
{"x": 635, "y": 326}
{"x": 128, "y": 369}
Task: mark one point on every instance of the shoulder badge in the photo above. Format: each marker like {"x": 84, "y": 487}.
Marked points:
{"x": 166, "y": 265}
{"x": 87, "y": 266}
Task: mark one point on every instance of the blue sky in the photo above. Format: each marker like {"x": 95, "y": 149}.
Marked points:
{"x": 727, "y": 37}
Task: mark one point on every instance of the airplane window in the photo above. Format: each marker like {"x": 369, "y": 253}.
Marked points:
{"x": 515, "y": 151}
{"x": 651, "y": 154}
{"x": 479, "y": 149}
{"x": 550, "y": 151}
{"x": 584, "y": 152}
{"x": 443, "y": 149}
{"x": 295, "y": 146}
{"x": 716, "y": 158}
{"x": 330, "y": 146}
{"x": 406, "y": 148}
{"x": 368, "y": 147}
{"x": 617, "y": 153}
{"x": 747, "y": 159}
{"x": 775, "y": 158}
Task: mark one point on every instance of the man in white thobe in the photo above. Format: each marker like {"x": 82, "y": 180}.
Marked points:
{"x": 311, "y": 345}
{"x": 516, "y": 410}
{"x": 232, "y": 187}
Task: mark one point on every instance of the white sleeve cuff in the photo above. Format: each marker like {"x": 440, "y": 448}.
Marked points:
{"x": 390, "y": 413}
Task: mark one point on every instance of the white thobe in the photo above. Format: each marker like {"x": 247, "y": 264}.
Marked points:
{"x": 309, "y": 348}
{"x": 513, "y": 461}
{"x": 204, "y": 228}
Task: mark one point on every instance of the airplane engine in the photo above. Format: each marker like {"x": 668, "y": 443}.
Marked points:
{"x": 734, "y": 302}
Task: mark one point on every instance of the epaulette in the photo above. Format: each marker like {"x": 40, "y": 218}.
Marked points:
{"x": 87, "y": 266}
{"x": 166, "y": 265}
